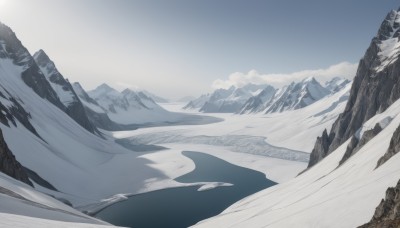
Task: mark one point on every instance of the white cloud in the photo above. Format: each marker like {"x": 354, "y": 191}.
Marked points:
{"x": 238, "y": 79}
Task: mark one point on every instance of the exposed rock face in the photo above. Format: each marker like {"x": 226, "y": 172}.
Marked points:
{"x": 70, "y": 101}
{"x": 9, "y": 165}
{"x": 13, "y": 49}
{"x": 322, "y": 145}
{"x": 375, "y": 87}
{"x": 13, "y": 112}
{"x": 387, "y": 214}
{"x": 393, "y": 149}
{"x": 356, "y": 144}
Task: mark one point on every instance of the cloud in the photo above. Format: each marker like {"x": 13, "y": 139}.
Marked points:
{"x": 238, "y": 79}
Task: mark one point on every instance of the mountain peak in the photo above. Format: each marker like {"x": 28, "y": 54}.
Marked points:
{"x": 127, "y": 91}
{"x": 104, "y": 87}
{"x": 41, "y": 57}
{"x": 389, "y": 26}
{"x": 310, "y": 79}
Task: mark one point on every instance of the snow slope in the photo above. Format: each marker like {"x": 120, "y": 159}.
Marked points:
{"x": 20, "y": 199}
{"x": 326, "y": 195}
{"x": 18, "y": 221}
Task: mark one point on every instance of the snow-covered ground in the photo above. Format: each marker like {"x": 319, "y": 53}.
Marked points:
{"x": 326, "y": 195}
{"x": 19, "y": 221}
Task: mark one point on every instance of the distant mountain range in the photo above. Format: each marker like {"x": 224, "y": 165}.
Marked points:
{"x": 265, "y": 98}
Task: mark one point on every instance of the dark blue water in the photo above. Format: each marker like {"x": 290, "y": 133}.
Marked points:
{"x": 185, "y": 206}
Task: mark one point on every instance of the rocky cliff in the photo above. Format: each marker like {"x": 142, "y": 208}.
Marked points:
{"x": 375, "y": 87}
{"x": 387, "y": 214}
{"x": 9, "y": 165}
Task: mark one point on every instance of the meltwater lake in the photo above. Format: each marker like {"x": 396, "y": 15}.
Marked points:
{"x": 185, "y": 206}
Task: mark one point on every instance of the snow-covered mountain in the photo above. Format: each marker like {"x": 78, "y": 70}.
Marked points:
{"x": 66, "y": 94}
{"x": 298, "y": 95}
{"x": 225, "y": 100}
{"x": 291, "y": 97}
{"x": 127, "y": 107}
{"x": 261, "y": 101}
{"x": 197, "y": 103}
{"x": 353, "y": 166}
{"x": 336, "y": 84}
{"x": 154, "y": 97}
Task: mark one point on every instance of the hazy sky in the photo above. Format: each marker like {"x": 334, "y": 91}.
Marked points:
{"x": 181, "y": 47}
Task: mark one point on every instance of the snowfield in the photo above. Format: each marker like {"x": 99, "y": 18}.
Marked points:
{"x": 326, "y": 195}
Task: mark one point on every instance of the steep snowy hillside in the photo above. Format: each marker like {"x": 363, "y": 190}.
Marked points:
{"x": 230, "y": 100}
{"x": 298, "y": 95}
{"x": 351, "y": 191}
{"x": 22, "y": 206}
{"x": 72, "y": 105}
{"x": 352, "y": 167}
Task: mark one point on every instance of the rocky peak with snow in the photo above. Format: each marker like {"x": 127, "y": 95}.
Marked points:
{"x": 230, "y": 100}
{"x": 259, "y": 102}
{"x": 375, "y": 87}
{"x": 82, "y": 93}
{"x": 64, "y": 90}
{"x": 298, "y": 95}
{"x": 12, "y": 49}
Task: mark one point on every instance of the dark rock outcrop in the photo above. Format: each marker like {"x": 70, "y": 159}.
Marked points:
{"x": 393, "y": 149}
{"x": 322, "y": 145}
{"x": 38, "y": 179}
{"x": 355, "y": 145}
{"x": 387, "y": 214}
{"x": 9, "y": 165}
{"x": 14, "y": 112}
{"x": 376, "y": 86}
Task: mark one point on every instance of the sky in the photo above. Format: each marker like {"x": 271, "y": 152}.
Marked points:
{"x": 177, "y": 48}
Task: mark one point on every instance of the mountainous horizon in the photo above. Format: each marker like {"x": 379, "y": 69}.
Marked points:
{"x": 316, "y": 148}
